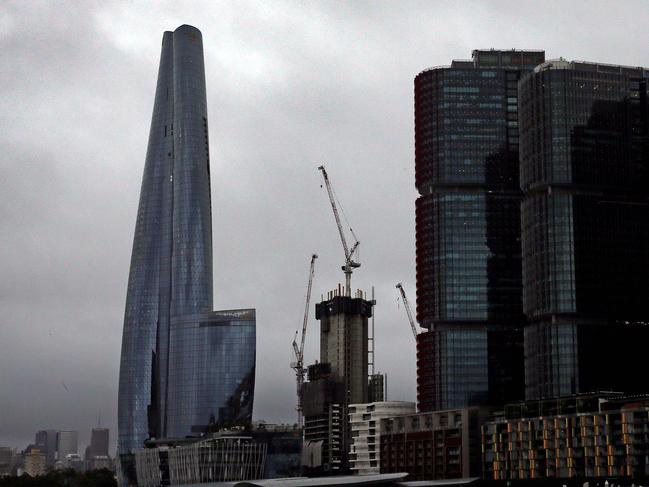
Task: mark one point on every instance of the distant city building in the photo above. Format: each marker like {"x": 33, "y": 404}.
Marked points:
{"x": 35, "y": 463}
{"x": 46, "y": 441}
{"x": 73, "y": 461}
{"x": 6, "y": 461}
{"x": 99, "y": 440}
{"x": 365, "y": 423}
{"x": 573, "y": 437}
{"x": 585, "y": 232}
{"x": 67, "y": 444}
{"x": 468, "y": 252}
{"x": 96, "y": 456}
{"x": 185, "y": 369}
{"x": 433, "y": 445}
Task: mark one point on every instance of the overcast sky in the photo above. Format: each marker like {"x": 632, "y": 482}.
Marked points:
{"x": 290, "y": 85}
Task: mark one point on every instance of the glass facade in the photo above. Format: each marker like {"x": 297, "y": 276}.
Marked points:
{"x": 212, "y": 381}
{"x": 585, "y": 230}
{"x": 469, "y": 287}
{"x": 149, "y": 278}
{"x": 183, "y": 366}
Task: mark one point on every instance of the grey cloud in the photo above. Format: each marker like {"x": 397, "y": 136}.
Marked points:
{"x": 290, "y": 85}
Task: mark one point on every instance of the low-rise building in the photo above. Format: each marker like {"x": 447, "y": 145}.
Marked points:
{"x": 365, "y": 422}
{"x": 596, "y": 435}
{"x": 223, "y": 457}
{"x": 73, "y": 461}
{"x": 433, "y": 445}
{"x": 67, "y": 444}
{"x": 283, "y": 448}
{"x": 99, "y": 462}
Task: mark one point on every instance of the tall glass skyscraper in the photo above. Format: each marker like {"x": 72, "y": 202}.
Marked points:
{"x": 469, "y": 287}
{"x": 184, "y": 368}
{"x": 585, "y": 227}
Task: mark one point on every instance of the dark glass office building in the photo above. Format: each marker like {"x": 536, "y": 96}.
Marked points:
{"x": 46, "y": 442}
{"x": 469, "y": 287}
{"x": 585, "y": 227}
{"x": 184, "y": 368}
{"x": 98, "y": 443}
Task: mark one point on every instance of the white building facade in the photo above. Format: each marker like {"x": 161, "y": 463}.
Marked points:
{"x": 365, "y": 422}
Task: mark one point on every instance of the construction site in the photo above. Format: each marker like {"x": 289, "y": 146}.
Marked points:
{"x": 344, "y": 374}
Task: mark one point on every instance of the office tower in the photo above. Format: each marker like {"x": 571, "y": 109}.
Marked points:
{"x": 67, "y": 444}
{"x": 185, "y": 369}
{"x": 46, "y": 441}
{"x": 585, "y": 227}
{"x": 35, "y": 463}
{"x": 99, "y": 438}
{"x": 6, "y": 461}
{"x": 468, "y": 255}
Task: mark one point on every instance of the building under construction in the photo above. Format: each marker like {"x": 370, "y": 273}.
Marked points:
{"x": 344, "y": 340}
{"x": 340, "y": 379}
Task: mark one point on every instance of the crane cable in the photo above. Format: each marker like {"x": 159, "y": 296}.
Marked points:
{"x": 342, "y": 210}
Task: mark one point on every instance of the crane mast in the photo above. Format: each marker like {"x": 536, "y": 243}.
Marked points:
{"x": 350, "y": 265}
{"x": 298, "y": 365}
{"x": 406, "y": 304}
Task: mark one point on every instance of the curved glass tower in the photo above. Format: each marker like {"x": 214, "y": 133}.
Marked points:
{"x": 469, "y": 286}
{"x": 184, "y": 368}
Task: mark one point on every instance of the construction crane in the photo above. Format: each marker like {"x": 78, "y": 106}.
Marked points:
{"x": 350, "y": 265}
{"x": 298, "y": 365}
{"x": 406, "y": 305}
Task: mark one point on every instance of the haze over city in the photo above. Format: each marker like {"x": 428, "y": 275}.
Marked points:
{"x": 290, "y": 85}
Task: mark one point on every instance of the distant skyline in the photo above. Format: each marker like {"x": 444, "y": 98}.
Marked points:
{"x": 290, "y": 85}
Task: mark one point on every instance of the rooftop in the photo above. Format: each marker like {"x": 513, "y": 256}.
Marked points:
{"x": 496, "y": 59}
{"x": 347, "y": 480}
{"x": 591, "y": 66}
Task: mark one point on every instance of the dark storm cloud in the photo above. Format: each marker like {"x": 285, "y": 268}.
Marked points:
{"x": 289, "y": 85}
